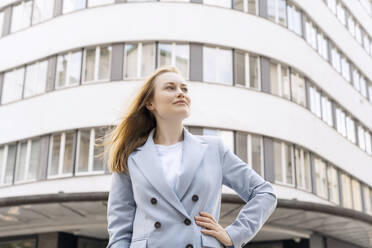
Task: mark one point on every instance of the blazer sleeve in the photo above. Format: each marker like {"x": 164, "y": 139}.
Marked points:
{"x": 258, "y": 194}
{"x": 121, "y": 209}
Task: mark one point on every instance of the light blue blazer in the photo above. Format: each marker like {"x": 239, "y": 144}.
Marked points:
{"x": 143, "y": 210}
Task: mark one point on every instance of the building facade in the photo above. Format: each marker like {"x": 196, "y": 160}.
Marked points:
{"x": 287, "y": 85}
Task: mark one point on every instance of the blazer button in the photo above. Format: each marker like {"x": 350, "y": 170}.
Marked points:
{"x": 195, "y": 197}
{"x": 157, "y": 224}
{"x": 187, "y": 221}
{"x": 189, "y": 246}
{"x": 153, "y": 200}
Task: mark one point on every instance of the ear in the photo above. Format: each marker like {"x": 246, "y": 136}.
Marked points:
{"x": 149, "y": 106}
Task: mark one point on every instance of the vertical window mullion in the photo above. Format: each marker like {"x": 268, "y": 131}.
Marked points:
{"x": 247, "y": 72}
{"x": 61, "y": 153}
{"x": 91, "y": 150}
{"x": 77, "y": 159}
{"x": 96, "y": 63}
{"x": 280, "y": 83}
{"x": 27, "y": 165}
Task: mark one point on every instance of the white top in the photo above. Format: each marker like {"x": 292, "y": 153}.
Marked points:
{"x": 171, "y": 157}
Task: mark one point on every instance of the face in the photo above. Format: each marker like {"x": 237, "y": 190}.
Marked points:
{"x": 170, "y": 88}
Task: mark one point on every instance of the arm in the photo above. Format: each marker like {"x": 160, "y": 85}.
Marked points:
{"x": 258, "y": 194}
{"x": 121, "y": 209}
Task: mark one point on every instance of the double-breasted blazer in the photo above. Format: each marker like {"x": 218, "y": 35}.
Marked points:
{"x": 143, "y": 211}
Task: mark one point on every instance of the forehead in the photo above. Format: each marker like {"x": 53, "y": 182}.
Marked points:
{"x": 170, "y": 77}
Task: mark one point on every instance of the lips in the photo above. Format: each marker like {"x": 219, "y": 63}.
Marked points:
{"x": 181, "y": 101}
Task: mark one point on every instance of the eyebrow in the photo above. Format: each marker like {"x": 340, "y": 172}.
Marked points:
{"x": 174, "y": 83}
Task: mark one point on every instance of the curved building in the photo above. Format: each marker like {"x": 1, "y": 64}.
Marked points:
{"x": 287, "y": 85}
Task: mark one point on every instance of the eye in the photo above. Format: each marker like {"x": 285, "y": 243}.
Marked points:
{"x": 170, "y": 87}
{"x": 185, "y": 89}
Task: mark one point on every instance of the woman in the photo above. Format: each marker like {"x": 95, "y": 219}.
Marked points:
{"x": 166, "y": 183}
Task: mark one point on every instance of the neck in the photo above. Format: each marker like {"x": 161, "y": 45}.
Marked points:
{"x": 168, "y": 133}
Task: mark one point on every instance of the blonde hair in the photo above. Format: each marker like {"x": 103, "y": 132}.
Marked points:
{"x": 134, "y": 127}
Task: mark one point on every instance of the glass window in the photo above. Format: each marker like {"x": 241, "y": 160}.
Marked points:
{"x": 239, "y": 4}
{"x": 174, "y": 54}
{"x": 35, "y": 157}
{"x": 366, "y": 42}
{"x": 277, "y": 149}
{"x": 43, "y": 10}
{"x": 7, "y": 172}
{"x": 322, "y": 46}
{"x": 31, "y": 243}
{"x": 333, "y": 184}
{"x": 341, "y": 122}
{"x": 68, "y": 69}
{"x": 367, "y": 199}
{"x": 320, "y": 177}
{"x": 99, "y": 135}
{"x": 284, "y": 169}
{"x": 368, "y": 142}
{"x": 356, "y": 79}
{"x": 351, "y": 25}
{"x": 335, "y": 59}
{"x": 226, "y": 136}
{"x": 97, "y": 64}
{"x": 61, "y": 154}
{"x": 271, "y": 10}
{"x": 36, "y": 77}
{"x": 2, "y": 163}
{"x": 358, "y": 33}
{"x": 72, "y": 5}
{"x": 370, "y": 92}
{"x": 315, "y": 101}
{"x": 345, "y": 68}
{"x": 346, "y": 191}
{"x": 254, "y": 73}
{"x": 357, "y": 197}
{"x": 332, "y": 5}
{"x": 12, "y": 85}
{"x": 361, "y": 137}
{"x": 182, "y": 58}
{"x": 298, "y": 89}
{"x": 363, "y": 86}
{"x": 310, "y": 33}
{"x": 217, "y": 65}
{"x": 21, "y": 16}
{"x": 252, "y": 7}
{"x": 221, "y": 3}
{"x": 239, "y": 68}
{"x": 274, "y": 84}
{"x": 92, "y": 3}
{"x": 257, "y": 154}
{"x": 282, "y": 14}
{"x": 303, "y": 173}
{"x": 165, "y": 54}
{"x": 148, "y": 59}
{"x": 22, "y": 157}
{"x": 327, "y": 111}
{"x": 83, "y": 152}
{"x": 294, "y": 19}
{"x": 1, "y": 23}
{"x": 350, "y": 129}
{"x": 286, "y": 86}
{"x": 131, "y": 61}
{"x": 341, "y": 14}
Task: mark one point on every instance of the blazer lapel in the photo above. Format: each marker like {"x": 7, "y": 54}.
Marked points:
{"x": 149, "y": 163}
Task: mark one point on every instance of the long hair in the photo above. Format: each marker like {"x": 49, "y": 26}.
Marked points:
{"x": 134, "y": 127}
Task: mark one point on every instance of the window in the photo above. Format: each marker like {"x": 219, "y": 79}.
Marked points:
{"x": 221, "y": 3}
{"x": 345, "y": 68}
{"x": 271, "y": 10}
{"x": 346, "y": 191}
{"x": 217, "y": 65}
{"x": 370, "y": 92}
{"x": 357, "y": 197}
{"x": 363, "y": 86}
{"x": 72, "y": 5}
{"x": 226, "y": 136}
{"x": 88, "y": 154}
{"x": 1, "y": 23}
{"x": 284, "y": 82}
{"x": 92, "y": 3}
{"x": 361, "y": 137}
{"x": 21, "y": 16}
{"x": 315, "y": 106}
{"x": 333, "y": 184}
{"x": 356, "y": 79}
{"x": 350, "y": 129}
{"x": 368, "y": 142}
{"x": 240, "y": 68}
{"x": 358, "y": 33}
{"x": 366, "y": 43}
{"x": 12, "y": 85}
{"x": 68, "y": 69}
{"x": 139, "y": 60}
{"x": 36, "y": 77}
{"x": 256, "y": 151}
{"x": 327, "y": 115}
{"x": 274, "y": 82}
{"x": 310, "y": 33}
{"x": 7, "y": 162}
{"x": 254, "y": 73}
{"x": 27, "y": 168}
{"x": 43, "y": 10}
{"x": 61, "y": 154}
{"x": 298, "y": 89}
{"x": 239, "y": 4}
{"x": 322, "y": 46}
{"x": 303, "y": 174}
{"x": 332, "y": 5}
{"x": 340, "y": 121}
{"x": 253, "y": 7}
{"x": 367, "y": 199}
{"x": 29, "y": 243}
{"x": 174, "y": 54}
{"x": 283, "y": 161}
{"x": 351, "y": 25}
{"x": 97, "y": 63}
{"x": 335, "y": 55}
{"x": 341, "y": 13}
{"x": 294, "y": 19}
{"x": 320, "y": 177}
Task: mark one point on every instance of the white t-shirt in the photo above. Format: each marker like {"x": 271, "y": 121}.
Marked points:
{"x": 170, "y": 157}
